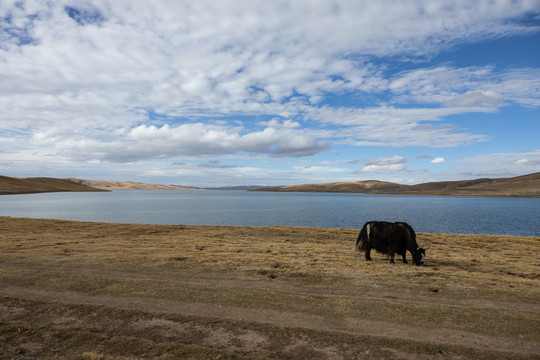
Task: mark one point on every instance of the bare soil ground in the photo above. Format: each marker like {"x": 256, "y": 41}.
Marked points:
{"x": 79, "y": 290}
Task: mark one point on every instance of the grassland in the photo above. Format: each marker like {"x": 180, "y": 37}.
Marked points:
{"x": 80, "y": 290}
{"x": 520, "y": 186}
{"x": 10, "y": 185}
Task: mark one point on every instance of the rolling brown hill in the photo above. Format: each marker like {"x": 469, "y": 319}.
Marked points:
{"x": 520, "y": 186}
{"x": 370, "y": 186}
{"x": 128, "y": 185}
{"x": 10, "y": 185}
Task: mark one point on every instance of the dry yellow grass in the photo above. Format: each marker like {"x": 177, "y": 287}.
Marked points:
{"x": 117, "y": 291}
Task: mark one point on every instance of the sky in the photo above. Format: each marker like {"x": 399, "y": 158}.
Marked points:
{"x": 257, "y": 92}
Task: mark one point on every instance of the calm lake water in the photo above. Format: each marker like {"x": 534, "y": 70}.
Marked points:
{"x": 433, "y": 214}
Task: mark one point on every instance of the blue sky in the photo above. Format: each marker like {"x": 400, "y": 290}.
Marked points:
{"x": 223, "y": 93}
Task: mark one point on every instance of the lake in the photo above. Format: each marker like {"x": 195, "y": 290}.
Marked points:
{"x": 432, "y": 214}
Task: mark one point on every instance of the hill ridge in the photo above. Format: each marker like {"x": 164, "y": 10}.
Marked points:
{"x": 105, "y": 184}
{"x": 12, "y": 185}
{"x": 519, "y": 186}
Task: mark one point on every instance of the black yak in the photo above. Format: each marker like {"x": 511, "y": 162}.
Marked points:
{"x": 390, "y": 238}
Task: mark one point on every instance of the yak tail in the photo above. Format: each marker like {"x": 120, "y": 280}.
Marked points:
{"x": 362, "y": 240}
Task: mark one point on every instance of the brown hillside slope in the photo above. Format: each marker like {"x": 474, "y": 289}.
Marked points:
{"x": 128, "y": 185}
{"x": 530, "y": 182}
{"x": 520, "y": 186}
{"x": 342, "y": 187}
{"x": 9, "y": 185}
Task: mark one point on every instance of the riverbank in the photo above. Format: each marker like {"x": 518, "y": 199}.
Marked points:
{"x": 117, "y": 291}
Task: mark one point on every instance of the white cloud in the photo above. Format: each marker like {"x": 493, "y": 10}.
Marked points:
{"x": 320, "y": 169}
{"x": 438, "y": 160}
{"x": 470, "y": 89}
{"x": 226, "y": 59}
{"x": 276, "y": 123}
{"x": 387, "y": 163}
{"x": 501, "y": 164}
{"x": 528, "y": 162}
{"x": 193, "y": 139}
{"x": 391, "y": 126}
{"x": 479, "y": 98}
{"x": 377, "y": 168}
{"x": 128, "y": 81}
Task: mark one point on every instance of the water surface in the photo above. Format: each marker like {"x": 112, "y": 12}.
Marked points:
{"x": 433, "y": 214}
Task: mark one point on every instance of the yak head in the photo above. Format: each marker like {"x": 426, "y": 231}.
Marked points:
{"x": 418, "y": 256}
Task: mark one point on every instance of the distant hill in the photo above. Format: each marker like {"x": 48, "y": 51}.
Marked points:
{"x": 237, "y": 188}
{"x": 128, "y": 185}
{"x": 10, "y": 185}
{"x": 520, "y": 186}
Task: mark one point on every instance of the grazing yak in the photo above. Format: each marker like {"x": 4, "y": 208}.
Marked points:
{"x": 390, "y": 238}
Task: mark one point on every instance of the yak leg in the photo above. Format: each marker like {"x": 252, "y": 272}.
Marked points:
{"x": 392, "y": 258}
{"x": 368, "y": 253}
{"x": 405, "y": 258}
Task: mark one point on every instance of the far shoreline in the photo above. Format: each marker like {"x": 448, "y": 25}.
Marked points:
{"x": 519, "y": 196}
{"x": 524, "y": 186}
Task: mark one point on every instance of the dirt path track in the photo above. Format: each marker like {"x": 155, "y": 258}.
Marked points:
{"x": 284, "y": 286}
{"x": 279, "y": 318}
